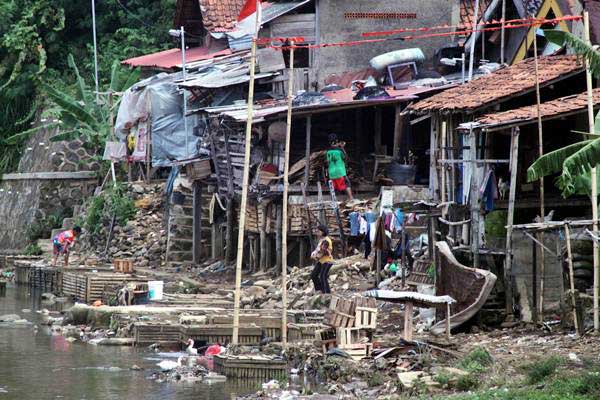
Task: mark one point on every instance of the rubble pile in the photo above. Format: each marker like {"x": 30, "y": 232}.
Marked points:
{"x": 143, "y": 238}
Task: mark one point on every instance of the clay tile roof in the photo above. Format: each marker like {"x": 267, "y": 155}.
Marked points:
{"x": 467, "y": 9}
{"x": 500, "y": 85}
{"x": 220, "y": 15}
{"x": 553, "y": 108}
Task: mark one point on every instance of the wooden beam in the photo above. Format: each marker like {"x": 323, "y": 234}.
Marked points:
{"x": 307, "y": 151}
{"x": 571, "y": 278}
{"x": 377, "y": 130}
{"x": 197, "y": 224}
{"x": 398, "y": 127}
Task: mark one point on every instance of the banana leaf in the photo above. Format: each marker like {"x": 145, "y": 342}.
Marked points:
{"x": 561, "y": 38}
{"x": 24, "y": 135}
{"x": 70, "y": 105}
{"x": 552, "y": 162}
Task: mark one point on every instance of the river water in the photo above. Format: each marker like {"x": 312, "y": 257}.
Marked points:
{"x": 41, "y": 365}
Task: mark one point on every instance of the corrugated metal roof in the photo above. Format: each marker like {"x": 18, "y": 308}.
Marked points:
{"x": 169, "y": 59}
{"x": 528, "y": 114}
{"x": 500, "y": 85}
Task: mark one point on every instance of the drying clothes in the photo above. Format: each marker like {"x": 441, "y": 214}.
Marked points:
{"x": 489, "y": 190}
{"x": 399, "y": 219}
{"x": 370, "y": 216}
{"x": 363, "y": 225}
{"x": 367, "y": 246}
{"x": 336, "y": 164}
{"x": 387, "y": 220}
{"x": 354, "y": 223}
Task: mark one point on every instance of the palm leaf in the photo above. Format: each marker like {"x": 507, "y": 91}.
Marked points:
{"x": 16, "y": 138}
{"x": 66, "y": 135}
{"x": 561, "y": 38}
{"x": 132, "y": 78}
{"x": 84, "y": 93}
{"x": 552, "y": 162}
{"x": 70, "y": 106}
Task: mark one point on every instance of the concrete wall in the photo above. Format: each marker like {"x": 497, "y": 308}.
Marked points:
{"x": 333, "y": 27}
{"x": 26, "y": 202}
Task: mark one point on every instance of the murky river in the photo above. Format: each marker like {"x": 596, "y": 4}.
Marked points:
{"x": 40, "y": 365}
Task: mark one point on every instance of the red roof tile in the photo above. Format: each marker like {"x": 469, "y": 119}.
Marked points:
{"x": 467, "y": 9}
{"x": 500, "y": 85}
{"x": 169, "y": 59}
{"x": 553, "y": 108}
{"x": 220, "y": 15}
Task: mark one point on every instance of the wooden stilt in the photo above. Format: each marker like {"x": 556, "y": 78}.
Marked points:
{"x": 540, "y": 153}
{"x": 448, "y": 330}
{"x": 514, "y": 162}
{"x": 229, "y": 230}
{"x": 571, "y": 278}
{"x": 443, "y": 165}
{"x": 397, "y": 131}
{"x": 286, "y": 184}
{"x": 307, "y": 152}
{"x": 245, "y": 178}
{"x": 590, "y": 104}
{"x": 408, "y": 321}
{"x": 263, "y": 236}
{"x": 197, "y": 225}
{"x": 278, "y": 232}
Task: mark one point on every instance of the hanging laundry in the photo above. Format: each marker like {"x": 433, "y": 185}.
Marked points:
{"x": 354, "y": 223}
{"x": 363, "y": 225}
{"x": 489, "y": 190}
{"x": 399, "y": 220}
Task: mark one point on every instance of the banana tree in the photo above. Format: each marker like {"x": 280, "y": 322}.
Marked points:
{"x": 574, "y": 161}
{"x": 81, "y": 115}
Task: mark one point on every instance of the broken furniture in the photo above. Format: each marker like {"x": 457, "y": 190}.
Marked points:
{"x": 411, "y": 299}
{"x": 470, "y": 287}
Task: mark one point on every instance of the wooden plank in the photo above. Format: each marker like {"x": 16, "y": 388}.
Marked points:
{"x": 197, "y": 223}
{"x": 514, "y": 162}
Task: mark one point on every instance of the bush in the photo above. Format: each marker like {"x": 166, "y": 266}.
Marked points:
{"x": 101, "y": 208}
{"x": 539, "y": 370}
{"x": 477, "y": 360}
{"x": 33, "y": 250}
{"x": 467, "y": 382}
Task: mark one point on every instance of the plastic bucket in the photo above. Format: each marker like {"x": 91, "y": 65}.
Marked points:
{"x": 155, "y": 290}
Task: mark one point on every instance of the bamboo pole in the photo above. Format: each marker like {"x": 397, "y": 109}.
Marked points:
{"x": 541, "y": 153}
{"x": 590, "y": 103}
{"x": 245, "y": 178}
{"x": 443, "y": 157}
{"x": 514, "y": 162}
{"x": 571, "y": 278}
{"x": 286, "y": 185}
{"x": 502, "y": 32}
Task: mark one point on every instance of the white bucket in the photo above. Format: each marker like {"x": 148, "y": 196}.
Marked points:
{"x": 155, "y": 290}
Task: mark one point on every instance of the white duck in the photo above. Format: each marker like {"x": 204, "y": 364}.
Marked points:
{"x": 191, "y": 349}
{"x": 168, "y": 365}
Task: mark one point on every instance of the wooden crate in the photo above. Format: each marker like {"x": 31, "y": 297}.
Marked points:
{"x": 301, "y": 332}
{"x": 358, "y": 351}
{"x": 326, "y": 338}
{"x": 147, "y": 333}
{"x": 341, "y": 313}
{"x": 251, "y": 367}
{"x": 198, "y": 169}
{"x": 210, "y": 334}
{"x": 366, "y": 317}
{"x": 89, "y": 287}
{"x": 349, "y": 336}
{"x": 123, "y": 265}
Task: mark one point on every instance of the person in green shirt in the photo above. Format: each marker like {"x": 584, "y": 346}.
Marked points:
{"x": 336, "y": 165}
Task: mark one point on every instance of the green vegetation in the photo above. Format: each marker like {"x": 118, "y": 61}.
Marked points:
{"x": 33, "y": 250}
{"x": 101, "y": 208}
{"x": 539, "y": 370}
{"x": 36, "y": 38}
{"x": 495, "y": 223}
{"x": 375, "y": 379}
{"x": 467, "y": 382}
{"x": 42, "y": 228}
{"x": 477, "y": 361}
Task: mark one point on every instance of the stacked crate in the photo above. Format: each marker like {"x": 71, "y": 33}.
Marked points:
{"x": 351, "y": 322}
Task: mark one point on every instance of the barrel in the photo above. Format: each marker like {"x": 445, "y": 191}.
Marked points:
{"x": 401, "y": 174}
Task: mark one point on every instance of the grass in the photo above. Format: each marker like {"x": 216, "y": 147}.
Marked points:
{"x": 477, "y": 361}
{"x": 540, "y": 370}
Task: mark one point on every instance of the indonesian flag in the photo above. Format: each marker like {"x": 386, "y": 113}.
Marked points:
{"x": 246, "y": 22}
